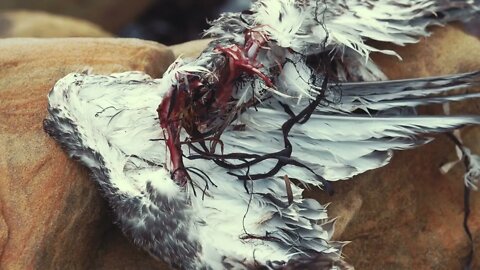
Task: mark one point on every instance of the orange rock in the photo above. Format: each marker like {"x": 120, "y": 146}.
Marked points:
{"x": 116, "y": 252}
{"x": 408, "y": 215}
{"x": 51, "y": 214}
{"x": 190, "y": 49}
{"x": 448, "y": 50}
{"x": 41, "y": 24}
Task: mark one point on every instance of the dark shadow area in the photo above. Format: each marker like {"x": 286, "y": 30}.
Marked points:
{"x": 177, "y": 21}
{"x": 473, "y": 27}
{"x": 5, "y": 24}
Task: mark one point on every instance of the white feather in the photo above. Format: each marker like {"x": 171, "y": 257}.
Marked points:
{"x": 126, "y": 134}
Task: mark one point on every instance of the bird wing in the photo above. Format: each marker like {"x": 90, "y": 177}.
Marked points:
{"x": 304, "y": 25}
{"x": 109, "y": 124}
{"x": 342, "y": 29}
{"x": 356, "y": 133}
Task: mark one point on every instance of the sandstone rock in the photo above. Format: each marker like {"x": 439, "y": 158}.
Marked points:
{"x": 116, "y": 252}
{"x": 408, "y": 215}
{"x": 111, "y": 15}
{"x": 190, "y": 49}
{"x": 51, "y": 214}
{"x": 41, "y": 24}
{"x": 447, "y": 50}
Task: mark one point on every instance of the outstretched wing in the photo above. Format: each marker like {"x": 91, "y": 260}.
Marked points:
{"x": 109, "y": 124}
{"x": 342, "y": 29}
{"x": 304, "y": 25}
{"x": 356, "y": 134}
{"x": 359, "y": 130}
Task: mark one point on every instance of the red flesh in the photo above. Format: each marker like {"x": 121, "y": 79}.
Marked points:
{"x": 171, "y": 124}
{"x": 171, "y": 112}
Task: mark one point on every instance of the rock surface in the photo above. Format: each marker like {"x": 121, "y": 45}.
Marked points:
{"x": 190, "y": 49}
{"x": 51, "y": 214}
{"x": 116, "y": 252}
{"x": 42, "y": 24}
{"x": 408, "y": 215}
{"x": 111, "y": 15}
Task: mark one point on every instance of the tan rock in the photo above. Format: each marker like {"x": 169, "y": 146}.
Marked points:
{"x": 117, "y": 252}
{"x": 51, "y": 214}
{"x": 111, "y": 15}
{"x": 190, "y": 49}
{"x": 446, "y": 51}
{"x": 40, "y": 24}
{"x": 408, "y": 215}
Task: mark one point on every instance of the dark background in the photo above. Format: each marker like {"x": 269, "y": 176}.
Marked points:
{"x": 181, "y": 21}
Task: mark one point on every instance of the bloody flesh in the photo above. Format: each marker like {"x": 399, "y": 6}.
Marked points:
{"x": 179, "y": 110}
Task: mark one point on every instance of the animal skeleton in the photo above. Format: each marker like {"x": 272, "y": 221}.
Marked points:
{"x": 285, "y": 91}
